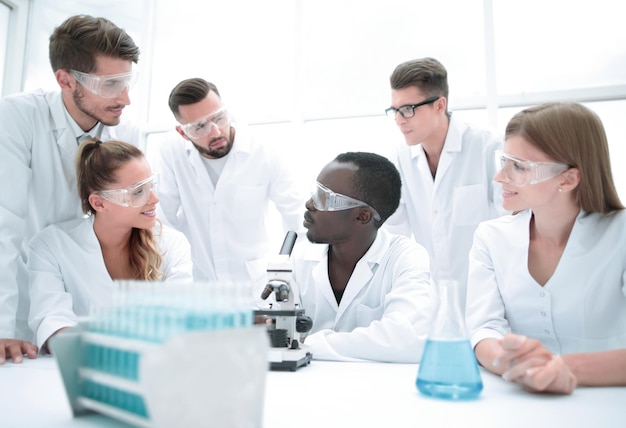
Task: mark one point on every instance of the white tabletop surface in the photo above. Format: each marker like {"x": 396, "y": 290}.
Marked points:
{"x": 330, "y": 394}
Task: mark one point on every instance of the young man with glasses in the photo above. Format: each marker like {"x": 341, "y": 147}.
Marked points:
{"x": 366, "y": 290}
{"x": 216, "y": 184}
{"x": 40, "y": 131}
{"x": 446, "y": 166}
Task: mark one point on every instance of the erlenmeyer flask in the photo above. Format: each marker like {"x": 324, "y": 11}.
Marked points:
{"x": 448, "y": 368}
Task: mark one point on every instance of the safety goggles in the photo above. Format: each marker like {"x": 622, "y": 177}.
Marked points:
{"x": 325, "y": 199}
{"x": 136, "y": 195}
{"x": 204, "y": 125}
{"x": 521, "y": 172}
{"x": 106, "y": 86}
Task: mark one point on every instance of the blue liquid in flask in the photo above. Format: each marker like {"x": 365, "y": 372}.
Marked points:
{"x": 448, "y": 370}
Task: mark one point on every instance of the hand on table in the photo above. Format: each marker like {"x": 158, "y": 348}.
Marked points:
{"x": 15, "y": 349}
{"x": 530, "y": 364}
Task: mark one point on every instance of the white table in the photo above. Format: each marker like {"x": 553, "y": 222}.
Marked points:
{"x": 329, "y": 394}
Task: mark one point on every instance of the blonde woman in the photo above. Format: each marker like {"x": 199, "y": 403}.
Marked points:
{"x": 72, "y": 265}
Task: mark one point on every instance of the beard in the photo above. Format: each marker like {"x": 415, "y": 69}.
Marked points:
{"x": 219, "y": 152}
{"x": 78, "y": 97}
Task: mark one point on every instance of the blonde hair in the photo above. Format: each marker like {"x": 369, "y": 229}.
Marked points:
{"x": 96, "y": 166}
{"x": 571, "y": 133}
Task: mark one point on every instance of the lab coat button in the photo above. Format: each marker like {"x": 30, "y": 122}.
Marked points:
{"x": 542, "y": 294}
{"x": 543, "y": 314}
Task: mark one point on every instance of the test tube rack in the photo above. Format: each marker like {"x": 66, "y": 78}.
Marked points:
{"x": 166, "y": 365}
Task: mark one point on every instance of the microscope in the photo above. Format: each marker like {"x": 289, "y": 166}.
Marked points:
{"x": 286, "y": 313}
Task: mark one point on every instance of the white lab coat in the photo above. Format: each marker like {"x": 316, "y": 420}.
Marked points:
{"x": 38, "y": 146}
{"x": 582, "y": 307}
{"x": 68, "y": 276}
{"x": 442, "y": 214}
{"x": 226, "y": 224}
{"x": 384, "y": 312}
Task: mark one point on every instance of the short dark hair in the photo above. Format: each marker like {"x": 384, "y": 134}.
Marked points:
{"x": 189, "y": 91}
{"x": 376, "y": 180}
{"x": 428, "y": 74}
{"x": 75, "y": 44}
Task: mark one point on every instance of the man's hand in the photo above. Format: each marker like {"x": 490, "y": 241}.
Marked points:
{"x": 16, "y": 349}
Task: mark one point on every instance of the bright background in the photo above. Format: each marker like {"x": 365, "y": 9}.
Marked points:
{"x": 312, "y": 76}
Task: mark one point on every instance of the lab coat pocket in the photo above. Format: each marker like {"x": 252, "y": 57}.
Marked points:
{"x": 249, "y": 201}
{"x": 469, "y": 205}
{"x": 365, "y": 315}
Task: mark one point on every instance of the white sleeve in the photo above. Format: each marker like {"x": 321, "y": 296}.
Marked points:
{"x": 484, "y": 310}
{"x": 51, "y": 305}
{"x": 15, "y": 176}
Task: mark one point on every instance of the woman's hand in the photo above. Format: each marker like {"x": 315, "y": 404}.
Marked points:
{"x": 530, "y": 364}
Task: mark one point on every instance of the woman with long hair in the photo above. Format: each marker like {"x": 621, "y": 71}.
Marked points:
{"x": 72, "y": 265}
{"x": 546, "y": 300}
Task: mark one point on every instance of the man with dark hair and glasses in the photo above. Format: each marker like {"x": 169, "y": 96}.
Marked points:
{"x": 217, "y": 184}
{"x": 366, "y": 289}
{"x": 446, "y": 167}
{"x": 92, "y": 60}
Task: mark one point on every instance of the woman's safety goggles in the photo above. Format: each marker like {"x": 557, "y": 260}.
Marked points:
{"x": 106, "y": 86}
{"x": 521, "y": 172}
{"x": 325, "y": 199}
{"x": 136, "y": 195}
{"x": 204, "y": 125}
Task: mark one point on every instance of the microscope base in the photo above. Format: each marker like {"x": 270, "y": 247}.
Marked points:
{"x": 288, "y": 359}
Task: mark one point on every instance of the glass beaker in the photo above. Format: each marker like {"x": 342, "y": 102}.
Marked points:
{"x": 448, "y": 368}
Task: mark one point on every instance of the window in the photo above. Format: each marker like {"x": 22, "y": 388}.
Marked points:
{"x": 5, "y": 15}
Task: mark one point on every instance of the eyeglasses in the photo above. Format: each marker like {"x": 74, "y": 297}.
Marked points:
{"x": 106, "y": 86}
{"x": 521, "y": 172}
{"x": 204, "y": 125}
{"x": 136, "y": 195}
{"x": 408, "y": 110}
{"x": 325, "y": 199}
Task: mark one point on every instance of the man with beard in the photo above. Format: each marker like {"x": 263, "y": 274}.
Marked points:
{"x": 366, "y": 290}
{"x": 40, "y": 131}
{"x": 215, "y": 185}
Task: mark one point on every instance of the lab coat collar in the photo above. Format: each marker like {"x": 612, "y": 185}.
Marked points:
{"x": 452, "y": 144}
{"x": 454, "y": 139}
{"x": 522, "y": 234}
{"x": 57, "y": 111}
{"x": 365, "y": 269}
{"x": 64, "y": 124}
{"x": 360, "y": 278}
{"x": 83, "y": 233}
